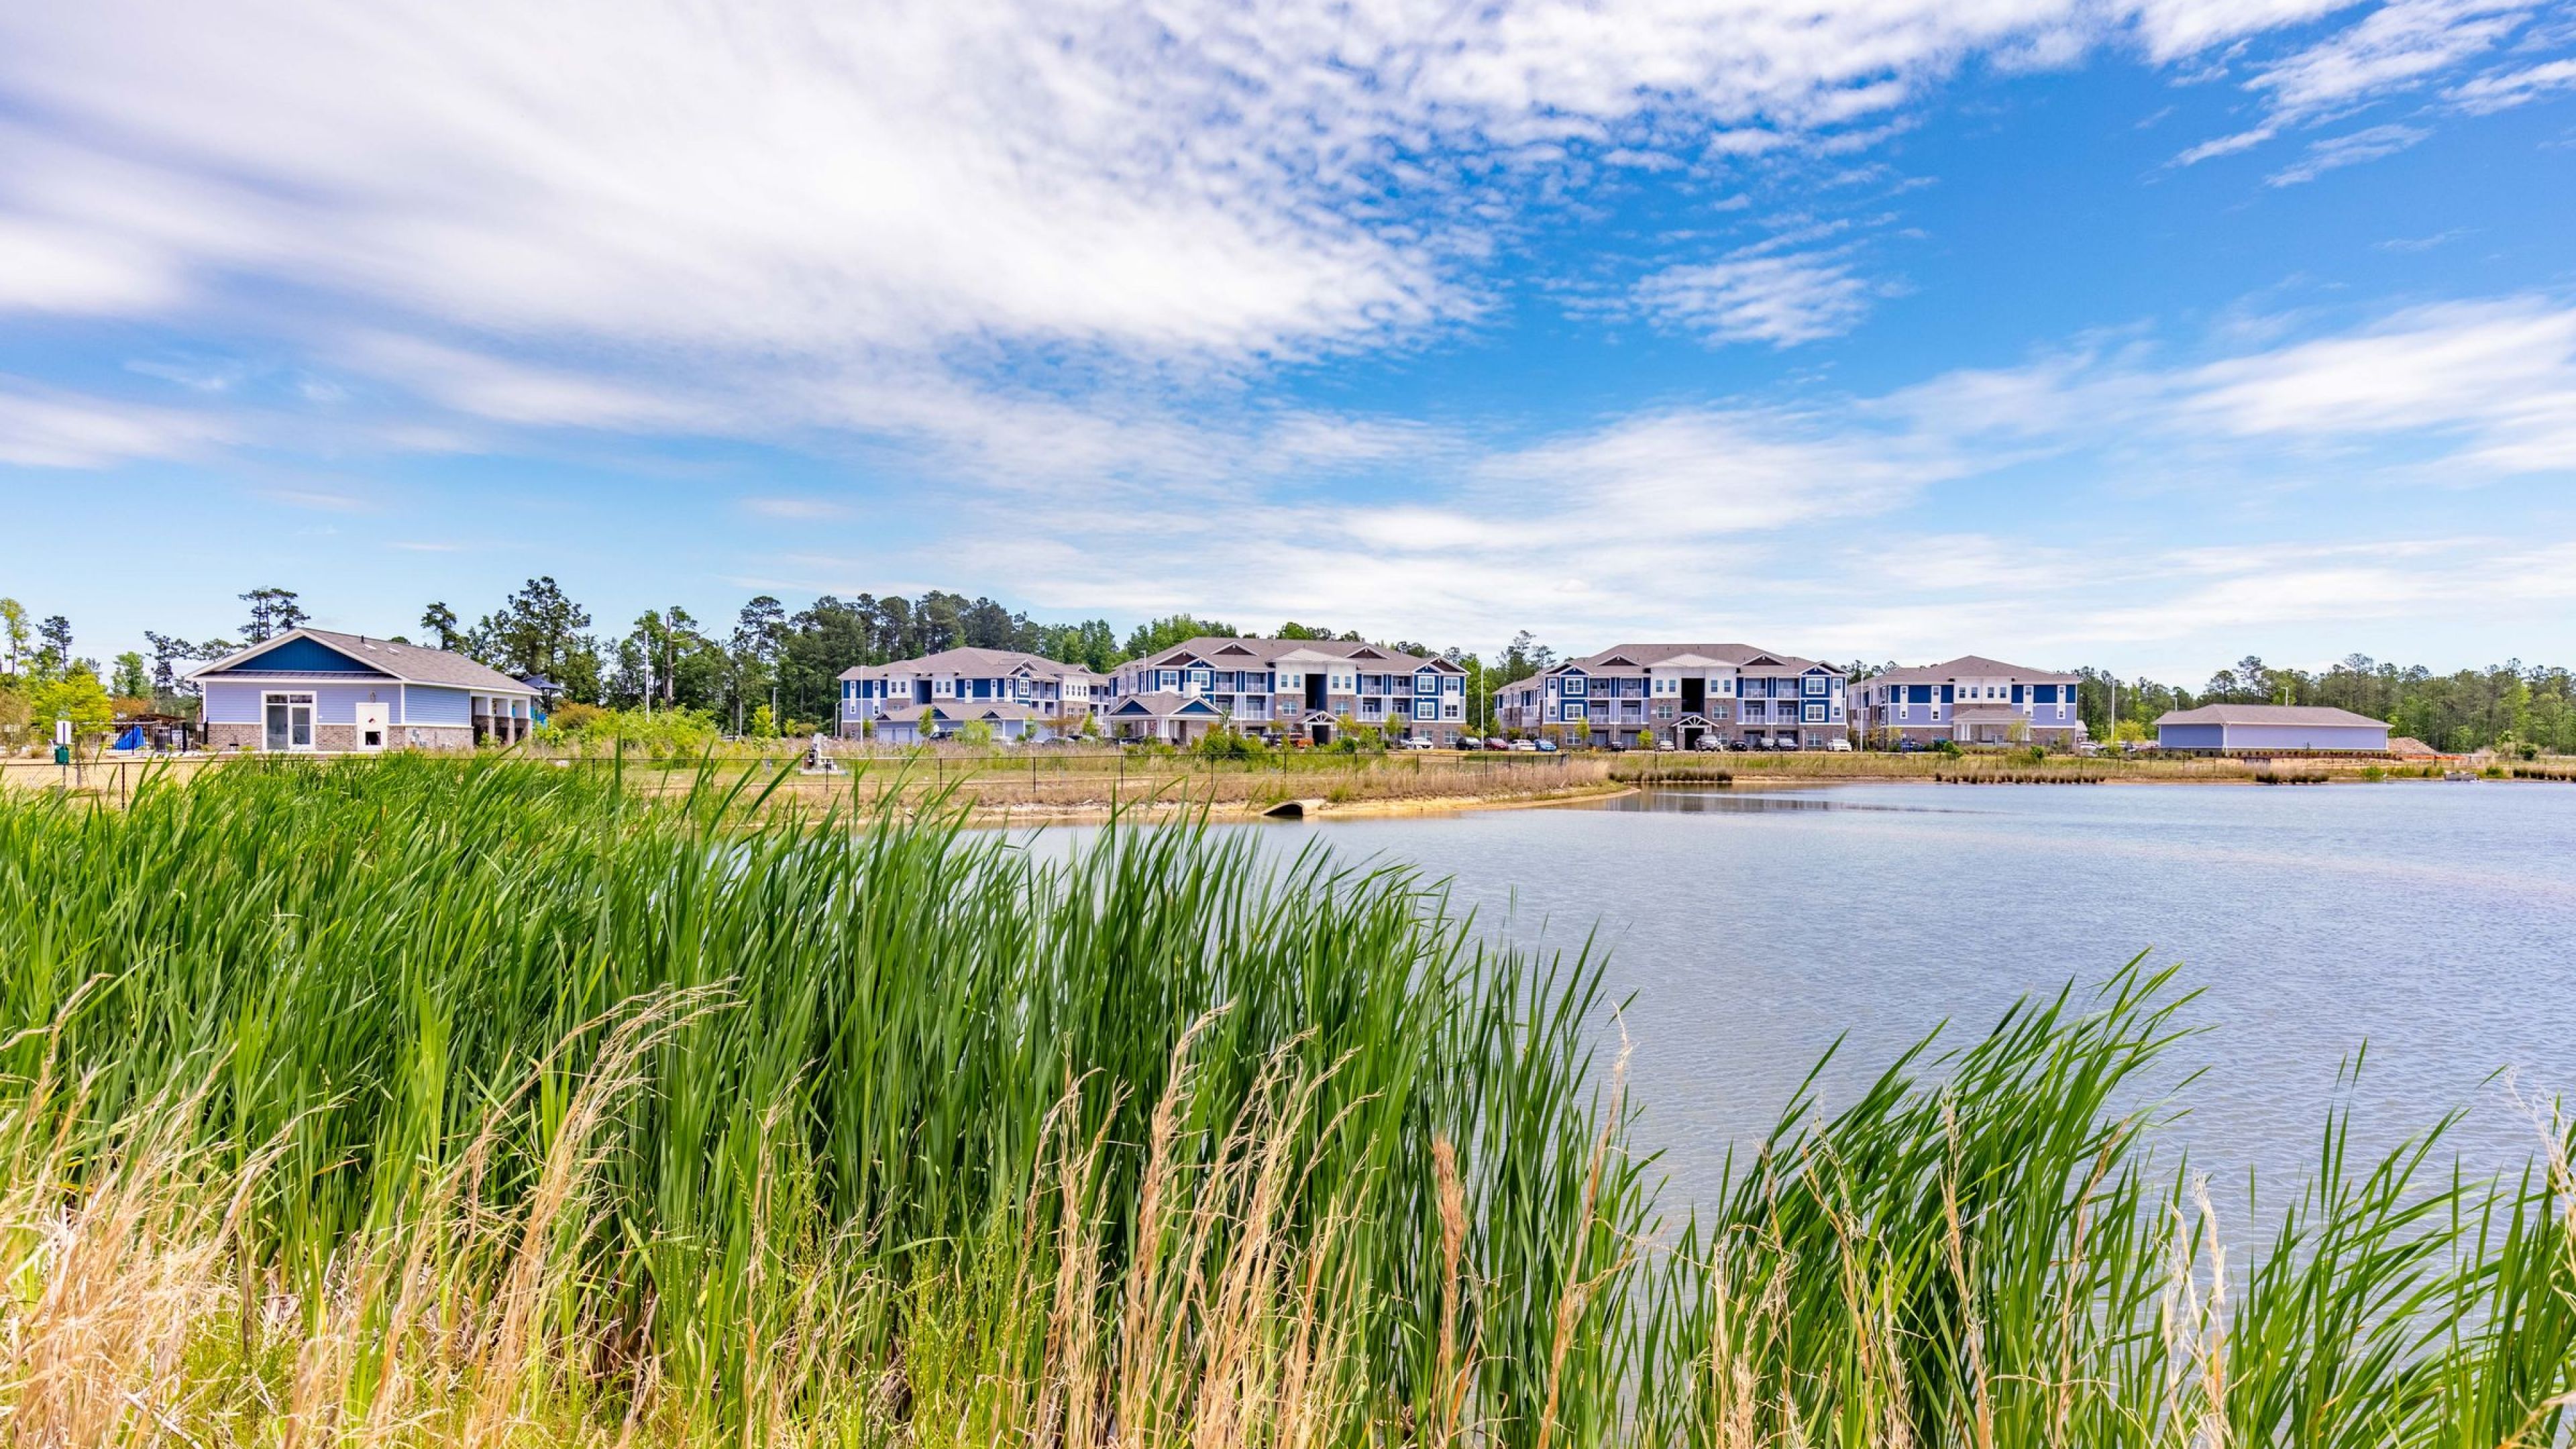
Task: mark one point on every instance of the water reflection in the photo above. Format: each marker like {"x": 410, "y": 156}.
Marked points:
{"x": 1705, "y": 800}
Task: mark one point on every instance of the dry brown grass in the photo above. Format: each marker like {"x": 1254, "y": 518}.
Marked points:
{"x": 132, "y": 1319}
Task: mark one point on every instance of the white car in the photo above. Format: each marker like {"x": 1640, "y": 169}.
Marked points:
{"x": 1839, "y": 743}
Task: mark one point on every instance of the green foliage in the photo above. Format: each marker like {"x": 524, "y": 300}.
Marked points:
{"x": 132, "y": 678}
{"x": 889, "y": 1036}
{"x": 974, "y": 732}
{"x": 1230, "y": 744}
{"x": 905, "y": 1115}
{"x": 764, "y": 726}
{"x": 663, "y": 734}
{"x": 76, "y": 695}
{"x": 1156, "y": 635}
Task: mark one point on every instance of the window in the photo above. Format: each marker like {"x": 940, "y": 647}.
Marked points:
{"x": 1814, "y": 684}
{"x": 1815, "y": 714}
{"x": 1426, "y": 683}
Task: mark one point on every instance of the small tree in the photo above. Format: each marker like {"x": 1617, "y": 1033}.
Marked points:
{"x": 272, "y": 612}
{"x": 77, "y": 696}
{"x": 13, "y": 636}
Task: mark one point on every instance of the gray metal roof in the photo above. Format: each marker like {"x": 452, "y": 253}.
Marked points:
{"x": 1222, "y": 653}
{"x": 1971, "y": 666}
{"x": 408, "y": 663}
{"x": 2269, "y": 714}
{"x": 979, "y": 663}
{"x": 1642, "y": 657}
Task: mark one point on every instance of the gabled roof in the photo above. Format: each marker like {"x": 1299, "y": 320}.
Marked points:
{"x": 958, "y": 712}
{"x": 1240, "y": 653}
{"x": 403, "y": 663}
{"x": 979, "y": 663}
{"x": 1641, "y": 657}
{"x": 1972, "y": 666}
{"x": 2268, "y": 714}
{"x": 1163, "y": 703}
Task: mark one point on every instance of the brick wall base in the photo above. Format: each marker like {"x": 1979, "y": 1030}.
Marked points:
{"x": 343, "y": 739}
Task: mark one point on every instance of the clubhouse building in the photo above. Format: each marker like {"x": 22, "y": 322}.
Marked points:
{"x": 316, "y": 691}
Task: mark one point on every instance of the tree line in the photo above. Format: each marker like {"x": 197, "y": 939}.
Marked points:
{"x": 767, "y": 667}
{"x": 789, "y": 664}
{"x": 2504, "y": 706}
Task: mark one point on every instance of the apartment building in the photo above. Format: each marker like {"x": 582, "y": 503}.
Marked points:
{"x": 1692, "y": 696}
{"x": 1972, "y": 700}
{"x": 1020, "y": 696}
{"x": 1284, "y": 689}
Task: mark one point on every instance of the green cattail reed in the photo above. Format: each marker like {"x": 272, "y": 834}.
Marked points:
{"x": 434, "y": 1102}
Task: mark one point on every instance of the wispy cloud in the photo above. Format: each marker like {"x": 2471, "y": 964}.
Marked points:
{"x": 2393, "y": 48}
{"x": 49, "y": 428}
{"x": 795, "y": 510}
{"x": 2500, "y": 90}
{"x": 2353, "y": 149}
{"x": 1783, "y": 299}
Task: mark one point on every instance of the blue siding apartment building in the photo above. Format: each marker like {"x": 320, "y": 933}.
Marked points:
{"x": 1691, "y": 696}
{"x": 1971, "y": 700}
{"x": 1019, "y": 696}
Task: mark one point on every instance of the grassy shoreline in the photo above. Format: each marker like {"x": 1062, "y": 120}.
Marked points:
{"x": 1012, "y": 787}
{"x": 447, "y": 1102}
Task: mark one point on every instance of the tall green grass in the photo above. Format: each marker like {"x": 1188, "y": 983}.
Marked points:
{"x": 429, "y": 1101}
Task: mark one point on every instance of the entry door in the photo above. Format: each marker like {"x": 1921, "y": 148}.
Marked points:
{"x": 289, "y": 724}
{"x": 375, "y": 726}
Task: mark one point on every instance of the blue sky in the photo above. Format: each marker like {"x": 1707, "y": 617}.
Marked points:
{"x": 2138, "y": 334}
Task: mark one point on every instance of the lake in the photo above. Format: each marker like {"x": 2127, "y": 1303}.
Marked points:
{"x": 2434, "y": 921}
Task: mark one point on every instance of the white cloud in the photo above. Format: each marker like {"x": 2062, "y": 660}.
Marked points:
{"x": 2369, "y": 144}
{"x": 2174, "y": 29}
{"x": 2395, "y": 46}
{"x": 796, "y": 510}
{"x": 1782, "y": 299}
{"x": 42, "y": 428}
{"x": 46, "y": 267}
{"x": 2500, "y": 90}
{"x": 1796, "y": 526}
{"x": 780, "y": 183}
{"x": 2497, "y": 380}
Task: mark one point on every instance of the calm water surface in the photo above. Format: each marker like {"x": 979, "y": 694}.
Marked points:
{"x": 2436, "y": 922}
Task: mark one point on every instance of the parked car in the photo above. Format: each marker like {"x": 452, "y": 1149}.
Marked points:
{"x": 1709, "y": 742}
{"x": 1420, "y": 742}
{"x": 1525, "y": 747}
{"x": 1838, "y": 743}
{"x": 1547, "y": 747}
{"x": 1497, "y": 742}
{"x": 1784, "y": 742}
{"x": 1470, "y": 742}
{"x": 1663, "y": 745}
